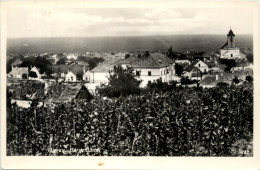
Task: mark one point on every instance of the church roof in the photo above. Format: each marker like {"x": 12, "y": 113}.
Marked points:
{"x": 230, "y": 33}
{"x": 225, "y": 45}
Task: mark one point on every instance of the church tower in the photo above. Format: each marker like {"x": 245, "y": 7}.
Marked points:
{"x": 230, "y": 39}
{"x": 229, "y": 49}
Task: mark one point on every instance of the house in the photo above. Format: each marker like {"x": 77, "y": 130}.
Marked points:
{"x": 73, "y": 72}
{"x": 35, "y": 74}
{"x": 212, "y": 80}
{"x": 193, "y": 74}
{"x": 229, "y": 50}
{"x": 151, "y": 67}
{"x": 19, "y": 73}
{"x": 100, "y": 73}
{"x": 203, "y": 67}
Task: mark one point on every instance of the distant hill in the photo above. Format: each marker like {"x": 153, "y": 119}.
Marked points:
{"x": 134, "y": 43}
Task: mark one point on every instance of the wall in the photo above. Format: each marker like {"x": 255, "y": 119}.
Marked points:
{"x": 99, "y": 77}
{"x": 156, "y": 73}
{"x": 25, "y": 103}
{"x": 202, "y": 66}
{"x": 227, "y": 53}
{"x": 70, "y": 77}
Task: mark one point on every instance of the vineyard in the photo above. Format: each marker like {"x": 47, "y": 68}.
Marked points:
{"x": 181, "y": 122}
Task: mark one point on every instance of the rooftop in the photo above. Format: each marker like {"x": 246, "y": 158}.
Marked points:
{"x": 74, "y": 68}
{"x": 19, "y": 71}
{"x": 154, "y": 60}
{"x": 192, "y": 65}
{"x": 107, "y": 65}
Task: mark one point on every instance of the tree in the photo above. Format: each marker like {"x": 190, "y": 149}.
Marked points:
{"x": 250, "y": 57}
{"x": 229, "y": 63}
{"x": 182, "y": 57}
{"x": 127, "y": 56}
{"x": 178, "y": 69}
{"x": 249, "y": 79}
{"x": 172, "y": 54}
{"x": 43, "y": 64}
{"x": 82, "y": 58}
{"x": 93, "y": 62}
{"x": 236, "y": 80}
{"x": 62, "y": 60}
{"x": 121, "y": 82}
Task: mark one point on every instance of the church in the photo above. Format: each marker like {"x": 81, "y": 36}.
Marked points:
{"x": 229, "y": 49}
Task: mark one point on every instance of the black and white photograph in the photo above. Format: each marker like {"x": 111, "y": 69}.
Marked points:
{"x": 131, "y": 82}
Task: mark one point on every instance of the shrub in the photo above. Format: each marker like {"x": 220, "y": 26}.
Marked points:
{"x": 122, "y": 82}
{"x": 249, "y": 78}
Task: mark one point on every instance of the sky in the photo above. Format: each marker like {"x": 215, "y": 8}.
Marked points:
{"x": 91, "y": 22}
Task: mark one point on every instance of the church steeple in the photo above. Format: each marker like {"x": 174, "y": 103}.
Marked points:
{"x": 230, "y": 39}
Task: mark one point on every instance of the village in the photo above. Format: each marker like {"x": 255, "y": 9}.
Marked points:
{"x": 138, "y": 103}
{"x": 63, "y": 77}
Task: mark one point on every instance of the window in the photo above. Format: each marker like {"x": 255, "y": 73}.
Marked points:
{"x": 164, "y": 71}
{"x": 71, "y": 78}
{"x": 231, "y": 55}
{"x": 149, "y": 82}
{"x": 149, "y": 73}
{"x": 167, "y": 71}
{"x": 199, "y": 65}
{"x": 161, "y": 72}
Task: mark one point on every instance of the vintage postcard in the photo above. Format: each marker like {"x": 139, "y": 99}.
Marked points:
{"x": 129, "y": 84}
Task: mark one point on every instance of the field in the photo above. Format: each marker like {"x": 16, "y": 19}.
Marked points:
{"x": 182, "y": 122}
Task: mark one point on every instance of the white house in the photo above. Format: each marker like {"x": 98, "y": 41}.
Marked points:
{"x": 19, "y": 72}
{"x": 73, "y": 72}
{"x": 70, "y": 77}
{"x": 203, "y": 67}
{"x": 35, "y": 74}
{"x": 100, "y": 73}
{"x": 229, "y": 49}
{"x": 152, "y": 67}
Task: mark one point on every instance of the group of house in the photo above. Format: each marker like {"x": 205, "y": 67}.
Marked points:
{"x": 149, "y": 67}
{"x": 18, "y": 72}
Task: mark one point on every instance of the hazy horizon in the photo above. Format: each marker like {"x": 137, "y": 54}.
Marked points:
{"x": 205, "y": 42}
{"x": 122, "y": 36}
